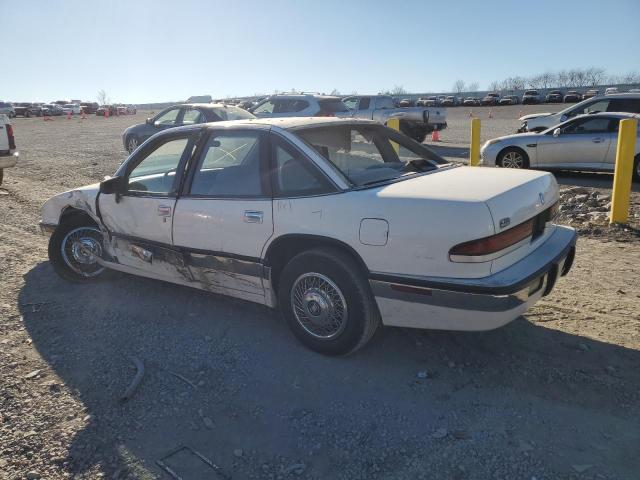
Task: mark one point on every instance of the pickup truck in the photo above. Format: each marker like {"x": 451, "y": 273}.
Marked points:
{"x": 8, "y": 155}
{"x": 415, "y": 122}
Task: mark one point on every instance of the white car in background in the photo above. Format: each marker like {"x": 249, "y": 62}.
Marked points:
{"x": 8, "y": 153}
{"x": 342, "y": 224}
{"x": 74, "y": 108}
{"x": 587, "y": 142}
{"x": 619, "y": 102}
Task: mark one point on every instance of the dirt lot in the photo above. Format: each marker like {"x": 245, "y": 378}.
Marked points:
{"x": 554, "y": 395}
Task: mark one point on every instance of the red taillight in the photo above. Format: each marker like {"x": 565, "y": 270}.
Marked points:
{"x": 324, "y": 113}
{"x": 483, "y": 249}
{"x": 12, "y": 140}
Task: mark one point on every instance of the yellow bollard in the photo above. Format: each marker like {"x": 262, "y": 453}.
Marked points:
{"x": 624, "y": 170}
{"x": 474, "y": 153}
{"x": 394, "y": 123}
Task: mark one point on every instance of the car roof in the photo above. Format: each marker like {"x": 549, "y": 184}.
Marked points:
{"x": 618, "y": 95}
{"x": 306, "y": 95}
{"x": 620, "y": 115}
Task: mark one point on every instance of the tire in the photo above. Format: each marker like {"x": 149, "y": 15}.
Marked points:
{"x": 132, "y": 143}
{"x": 1, "y": 175}
{"x": 327, "y": 281}
{"x": 27, "y": 114}
{"x": 71, "y": 236}
{"x": 636, "y": 170}
{"x": 513, "y": 157}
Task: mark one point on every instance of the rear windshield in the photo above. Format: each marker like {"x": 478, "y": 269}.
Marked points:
{"x": 531, "y": 92}
{"x": 232, "y": 113}
{"x": 370, "y": 154}
{"x": 332, "y": 105}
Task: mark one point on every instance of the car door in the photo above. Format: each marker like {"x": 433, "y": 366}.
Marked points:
{"x": 224, "y": 217}
{"x": 139, "y": 220}
{"x": 172, "y": 117}
{"x": 583, "y": 142}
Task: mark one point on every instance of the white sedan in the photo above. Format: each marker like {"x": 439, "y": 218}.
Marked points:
{"x": 587, "y": 142}
{"x": 73, "y": 108}
{"x": 342, "y": 224}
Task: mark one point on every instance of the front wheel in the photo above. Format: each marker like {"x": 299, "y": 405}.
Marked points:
{"x": 327, "y": 302}
{"x": 636, "y": 169}
{"x": 513, "y": 158}
{"x": 1, "y": 175}
{"x": 132, "y": 143}
{"x": 74, "y": 249}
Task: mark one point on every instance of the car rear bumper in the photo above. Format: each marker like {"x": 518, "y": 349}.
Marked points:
{"x": 475, "y": 304}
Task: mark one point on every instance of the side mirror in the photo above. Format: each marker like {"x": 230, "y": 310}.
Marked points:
{"x": 117, "y": 185}
{"x": 149, "y": 121}
{"x": 556, "y": 132}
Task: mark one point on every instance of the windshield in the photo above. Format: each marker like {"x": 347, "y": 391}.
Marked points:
{"x": 232, "y": 113}
{"x": 370, "y": 154}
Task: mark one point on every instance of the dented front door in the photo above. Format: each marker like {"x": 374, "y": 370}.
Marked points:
{"x": 140, "y": 220}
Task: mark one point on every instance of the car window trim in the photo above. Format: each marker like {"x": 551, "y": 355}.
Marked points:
{"x": 198, "y": 158}
{"x": 139, "y": 157}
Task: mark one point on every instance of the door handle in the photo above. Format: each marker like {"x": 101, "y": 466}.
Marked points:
{"x": 598, "y": 140}
{"x": 164, "y": 210}
{"x": 253, "y": 216}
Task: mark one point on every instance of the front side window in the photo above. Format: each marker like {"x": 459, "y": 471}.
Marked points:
{"x": 368, "y": 154}
{"x": 591, "y": 107}
{"x": 192, "y": 116}
{"x": 266, "y": 107}
{"x": 168, "y": 118}
{"x": 588, "y": 125}
{"x": 364, "y": 103}
{"x": 351, "y": 102}
{"x": 156, "y": 172}
{"x": 230, "y": 166}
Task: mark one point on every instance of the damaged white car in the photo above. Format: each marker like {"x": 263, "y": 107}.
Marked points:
{"x": 342, "y": 224}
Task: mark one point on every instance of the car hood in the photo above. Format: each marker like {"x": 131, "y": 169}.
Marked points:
{"x": 508, "y": 193}
{"x": 535, "y": 115}
{"x": 83, "y": 198}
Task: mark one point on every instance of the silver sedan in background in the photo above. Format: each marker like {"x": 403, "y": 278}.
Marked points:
{"x": 587, "y": 142}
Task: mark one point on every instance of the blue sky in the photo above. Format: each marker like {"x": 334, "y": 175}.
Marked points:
{"x": 146, "y": 51}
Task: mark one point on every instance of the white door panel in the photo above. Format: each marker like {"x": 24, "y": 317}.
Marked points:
{"x": 227, "y": 238}
{"x": 573, "y": 149}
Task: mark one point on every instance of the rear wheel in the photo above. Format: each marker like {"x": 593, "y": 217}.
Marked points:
{"x": 327, "y": 302}
{"x": 636, "y": 169}
{"x": 1, "y": 175}
{"x": 74, "y": 248}
{"x": 513, "y": 158}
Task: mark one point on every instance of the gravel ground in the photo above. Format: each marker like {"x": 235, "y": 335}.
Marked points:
{"x": 553, "y": 395}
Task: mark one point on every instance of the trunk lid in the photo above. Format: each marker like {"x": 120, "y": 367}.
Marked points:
{"x": 516, "y": 195}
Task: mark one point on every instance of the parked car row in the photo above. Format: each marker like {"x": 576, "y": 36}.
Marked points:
{"x": 59, "y": 107}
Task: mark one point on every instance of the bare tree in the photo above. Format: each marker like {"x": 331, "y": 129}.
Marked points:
{"x": 354, "y": 92}
{"x": 562, "y": 79}
{"x": 473, "y": 87}
{"x": 594, "y": 76}
{"x": 535, "y": 81}
{"x": 458, "y": 86}
{"x": 335, "y": 91}
{"x": 495, "y": 85}
{"x": 631, "y": 77}
{"x": 103, "y": 98}
{"x": 398, "y": 90}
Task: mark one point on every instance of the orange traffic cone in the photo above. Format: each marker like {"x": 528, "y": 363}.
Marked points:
{"x": 69, "y": 115}
{"x": 106, "y": 112}
{"x": 82, "y": 115}
{"x": 519, "y": 113}
{"x": 45, "y": 117}
{"x": 435, "y": 136}
{"x": 470, "y": 113}
{"x": 490, "y": 113}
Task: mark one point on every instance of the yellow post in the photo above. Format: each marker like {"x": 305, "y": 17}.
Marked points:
{"x": 394, "y": 123}
{"x": 624, "y": 170}
{"x": 474, "y": 153}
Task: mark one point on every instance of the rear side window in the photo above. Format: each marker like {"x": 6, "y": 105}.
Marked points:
{"x": 230, "y": 166}
{"x": 295, "y": 175}
{"x": 364, "y": 103}
{"x": 287, "y": 105}
{"x": 232, "y": 113}
{"x": 588, "y": 125}
{"x": 385, "y": 102}
{"x": 334, "y": 105}
{"x": 631, "y": 105}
